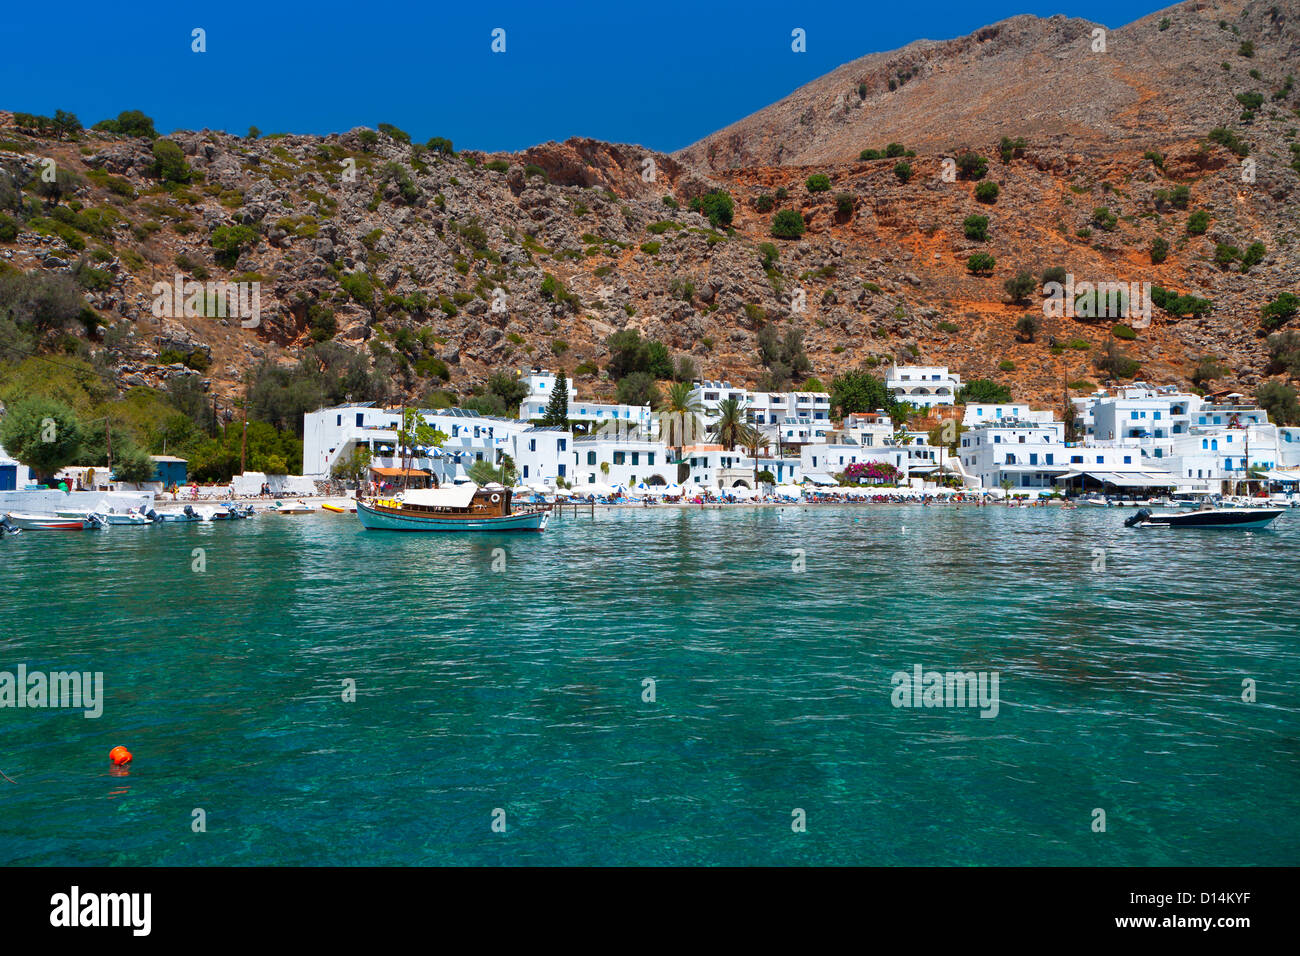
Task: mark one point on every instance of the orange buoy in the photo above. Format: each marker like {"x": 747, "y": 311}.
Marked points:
{"x": 119, "y": 755}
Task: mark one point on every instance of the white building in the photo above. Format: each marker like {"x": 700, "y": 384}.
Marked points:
{"x": 978, "y": 413}
{"x": 797, "y": 417}
{"x": 331, "y": 434}
{"x": 713, "y": 466}
{"x": 820, "y": 463}
{"x": 14, "y": 475}
{"x": 626, "y": 461}
{"x": 541, "y": 385}
{"x": 923, "y": 385}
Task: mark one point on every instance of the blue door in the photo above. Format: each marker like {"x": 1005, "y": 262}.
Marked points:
{"x": 8, "y": 477}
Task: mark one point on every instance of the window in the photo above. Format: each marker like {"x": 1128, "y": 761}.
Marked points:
{"x": 562, "y": 444}
{"x": 532, "y": 444}
{"x": 1048, "y": 458}
{"x": 636, "y": 458}
{"x": 1033, "y": 458}
{"x": 1128, "y": 459}
{"x": 525, "y": 471}
{"x": 591, "y": 457}
{"x": 338, "y": 421}
{"x": 650, "y": 458}
{"x": 1076, "y": 459}
{"x": 561, "y": 470}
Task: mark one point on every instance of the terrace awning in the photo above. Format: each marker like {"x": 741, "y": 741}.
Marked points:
{"x": 1125, "y": 479}
{"x": 819, "y": 478}
{"x": 400, "y": 472}
{"x": 1274, "y": 475}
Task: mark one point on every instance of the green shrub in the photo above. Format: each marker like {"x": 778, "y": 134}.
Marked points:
{"x": 987, "y": 192}
{"x": 129, "y": 123}
{"x": 818, "y": 183}
{"x": 903, "y": 172}
{"x": 717, "y": 206}
{"x": 1122, "y": 331}
{"x": 1103, "y": 218}
{"x": 972, "y": 166}
{"x": 1277, "y": 312}
{"x": 1159, "y": 250}
{"x": 976, "y": 227}
{"x": 764, "y": 203}
{"x": 844, "y": 204}
{"x": 787, "y": 224}
{"x": 981, "y": 263}
{"x": 1229, "y": 140}
{"x": 1198, "y": 222}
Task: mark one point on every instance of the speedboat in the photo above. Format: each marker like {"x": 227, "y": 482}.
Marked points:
{"x": 291, "y": 508}
{"x": 1238, "y": 517}
{"x": 36, "y": 522}
{"x": 7, "y": 528}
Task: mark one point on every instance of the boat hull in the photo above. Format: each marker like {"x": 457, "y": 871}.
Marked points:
{"x": 30, "y": 522}
{"x": 1243, "y": 518}
{"x": 375, "y": 519}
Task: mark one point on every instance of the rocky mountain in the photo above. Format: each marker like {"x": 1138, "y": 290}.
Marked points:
{"x": 438, "y": 268}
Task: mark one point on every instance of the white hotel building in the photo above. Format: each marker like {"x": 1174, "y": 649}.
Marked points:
{"x": 541, "y": 385}
{"x": 797, "y": 418}
{"x": 923, "y": 385}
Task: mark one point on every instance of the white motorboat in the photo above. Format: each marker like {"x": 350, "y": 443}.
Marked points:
{"x": 292, "y": 508}
{"x": 27, "y": 521}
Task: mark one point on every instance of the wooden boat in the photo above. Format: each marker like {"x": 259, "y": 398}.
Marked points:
{"x": 464, "y": 507}
{"x": 34, "y": 522}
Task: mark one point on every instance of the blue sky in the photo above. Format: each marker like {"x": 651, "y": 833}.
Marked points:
{"x": 661, "y": 74}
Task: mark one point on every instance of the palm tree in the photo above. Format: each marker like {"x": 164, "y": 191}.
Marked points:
{"x": 730, "y": 427}
{"x": 754, "y": 440}
{"x": 675, "y": 411}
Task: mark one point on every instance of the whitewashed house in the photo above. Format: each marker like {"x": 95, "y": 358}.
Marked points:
{"x": 923, "y": 385}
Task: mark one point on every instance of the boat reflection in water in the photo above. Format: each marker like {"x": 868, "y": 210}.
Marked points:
{"x": 465, "y": 507}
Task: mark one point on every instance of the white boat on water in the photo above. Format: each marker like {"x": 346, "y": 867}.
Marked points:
{"x": 292, "y": 508}
{"x": 25, "y": 521}
{"x": 179, "y": 517}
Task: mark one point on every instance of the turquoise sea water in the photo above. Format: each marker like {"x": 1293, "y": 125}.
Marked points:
{"x": 522, "y": 690}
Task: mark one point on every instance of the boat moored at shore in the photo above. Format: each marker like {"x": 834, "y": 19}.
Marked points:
{"x": 463, "y": 507}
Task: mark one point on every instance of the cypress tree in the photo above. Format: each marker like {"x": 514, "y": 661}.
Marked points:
{"x": 557, "y": 409}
